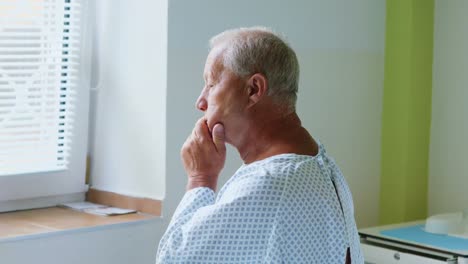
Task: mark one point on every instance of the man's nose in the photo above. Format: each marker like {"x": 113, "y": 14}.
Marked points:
{"x": 201, "y": 103}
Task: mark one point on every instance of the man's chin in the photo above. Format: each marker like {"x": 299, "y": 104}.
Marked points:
{"x": 210, "y": 123}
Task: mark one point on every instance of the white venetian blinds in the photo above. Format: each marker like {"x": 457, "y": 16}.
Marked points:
{"x": 39, "y": 64}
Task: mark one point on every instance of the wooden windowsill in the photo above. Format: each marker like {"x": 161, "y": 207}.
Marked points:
{"x": 39, "y": 222}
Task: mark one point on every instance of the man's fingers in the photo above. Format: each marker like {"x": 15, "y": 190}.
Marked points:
{"x": 219, "y": 137}
{"x": 202, "y": 132}
{"x": 201, "y": 129}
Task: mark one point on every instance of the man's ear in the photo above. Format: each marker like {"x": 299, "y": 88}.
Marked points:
{"x": 257, "y": 88}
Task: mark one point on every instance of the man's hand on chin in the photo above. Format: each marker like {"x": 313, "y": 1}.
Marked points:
{"x": 203, "y": 155}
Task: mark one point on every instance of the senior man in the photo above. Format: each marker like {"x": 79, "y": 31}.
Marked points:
{"x": 288, "y": 202}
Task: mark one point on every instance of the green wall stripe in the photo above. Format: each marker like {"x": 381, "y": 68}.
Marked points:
{"x": 406, "y": 113}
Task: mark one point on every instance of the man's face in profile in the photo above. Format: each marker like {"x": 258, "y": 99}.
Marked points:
{"x": 224, "y": 96}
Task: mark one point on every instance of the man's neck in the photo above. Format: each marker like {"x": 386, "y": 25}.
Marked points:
{"x": 274, "y": 136}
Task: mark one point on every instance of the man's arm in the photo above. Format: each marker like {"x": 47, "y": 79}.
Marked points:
{"x": 236, "y": 229}
{"x": 172, "y": 242}
{"x": 203, "y": 155}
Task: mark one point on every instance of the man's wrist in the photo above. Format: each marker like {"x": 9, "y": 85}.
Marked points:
{"x": 196, "y": 183}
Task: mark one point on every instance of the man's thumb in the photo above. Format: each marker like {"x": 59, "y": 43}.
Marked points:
{"x": 219, "y": 137}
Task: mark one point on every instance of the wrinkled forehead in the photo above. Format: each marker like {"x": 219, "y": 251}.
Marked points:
{"x": 214, "y": 63}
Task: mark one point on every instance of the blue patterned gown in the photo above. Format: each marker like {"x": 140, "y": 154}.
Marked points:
{"x": 287, "y": 208}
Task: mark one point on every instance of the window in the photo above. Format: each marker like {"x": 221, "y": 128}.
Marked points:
{"x": 44, "y": 98}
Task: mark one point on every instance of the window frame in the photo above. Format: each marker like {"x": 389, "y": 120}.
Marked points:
{"x": 43, "y": 189}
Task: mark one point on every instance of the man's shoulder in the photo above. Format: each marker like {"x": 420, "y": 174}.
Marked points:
{"x": 251, "y": 181}
{"x": 264, "y": 172}
{"x": 276, "y": 170}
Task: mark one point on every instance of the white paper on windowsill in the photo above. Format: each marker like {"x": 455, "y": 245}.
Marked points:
{"x": 97, "y": 209}
{"x": 109, "y": 211}
{"x": 80, "y": 206}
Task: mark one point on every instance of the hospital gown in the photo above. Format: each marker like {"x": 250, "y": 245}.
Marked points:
{"x": 287, "y": 208}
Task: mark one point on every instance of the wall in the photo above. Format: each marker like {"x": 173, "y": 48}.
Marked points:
{"x": 340, "y": 46}
{"x": 127, "y": 141}
{"x": 117, "y": 244}
{"x": 137, "y": 129}
{"x": 448, "y": 179}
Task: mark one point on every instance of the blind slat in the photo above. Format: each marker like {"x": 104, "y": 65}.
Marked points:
{"x": 39, "y": 67}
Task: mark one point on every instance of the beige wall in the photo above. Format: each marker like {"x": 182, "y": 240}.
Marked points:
{"x": 340, "y": 45}
{"x": 448, "y": 169}
{"x": 138, "y": 130}
{"x": 128, "y": 140}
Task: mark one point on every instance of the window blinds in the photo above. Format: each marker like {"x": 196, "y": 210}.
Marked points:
{"x": 39, "y": 69}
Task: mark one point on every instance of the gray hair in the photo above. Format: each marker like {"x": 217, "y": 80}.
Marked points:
{"x": 259, "y": 50}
